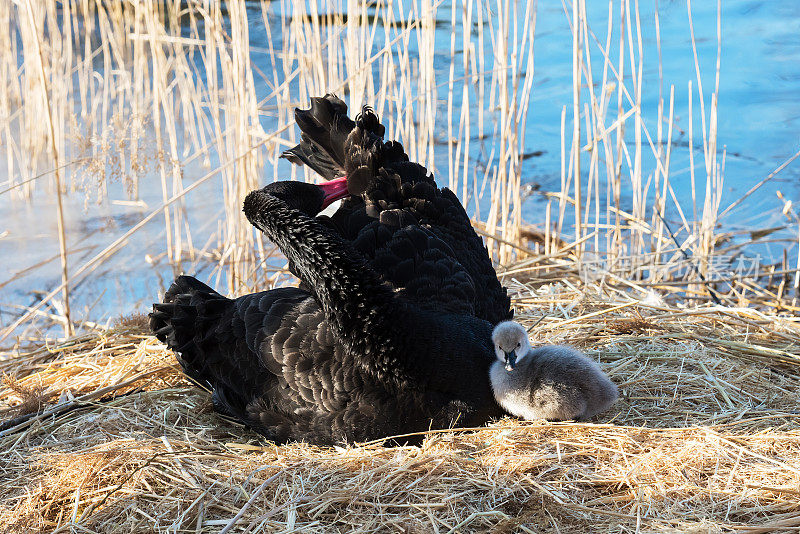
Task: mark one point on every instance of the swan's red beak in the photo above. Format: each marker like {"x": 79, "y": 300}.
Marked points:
{"x": 334, "y": 190}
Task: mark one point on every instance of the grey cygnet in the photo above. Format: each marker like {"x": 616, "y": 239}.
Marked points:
{"x": 552, "y": 382}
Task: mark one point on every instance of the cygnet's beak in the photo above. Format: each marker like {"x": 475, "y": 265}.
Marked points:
{"x": 511, "y": 360}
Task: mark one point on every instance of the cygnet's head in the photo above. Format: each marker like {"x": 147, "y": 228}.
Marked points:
{"x": 510, "y": 343}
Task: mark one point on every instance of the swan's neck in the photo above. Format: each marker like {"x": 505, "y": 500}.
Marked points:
{"x": 357, "y": 305}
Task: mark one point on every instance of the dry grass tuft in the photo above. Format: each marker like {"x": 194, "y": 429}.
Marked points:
{"x": 138, "y": 323}
{"x": 705, "y": 438}
{"x": 29, "y": 398}
{"x": 634, "y": 325}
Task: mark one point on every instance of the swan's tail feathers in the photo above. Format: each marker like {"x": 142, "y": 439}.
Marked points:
{"x": 175, "y": 320}
{"x": 325, "y": 129}
{"x": 190, "y": 312}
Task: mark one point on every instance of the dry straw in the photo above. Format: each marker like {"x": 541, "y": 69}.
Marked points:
{"x": 103, "y": 434}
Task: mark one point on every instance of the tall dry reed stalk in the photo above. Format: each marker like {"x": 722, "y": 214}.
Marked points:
{"x": 62, "y": 245}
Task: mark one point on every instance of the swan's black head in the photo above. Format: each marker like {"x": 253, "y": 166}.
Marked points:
{"x": 308, "y": 198}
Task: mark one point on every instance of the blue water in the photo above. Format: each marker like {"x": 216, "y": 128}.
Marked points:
{"x": 758, "y": 128}
{"x": 759, "y": 112}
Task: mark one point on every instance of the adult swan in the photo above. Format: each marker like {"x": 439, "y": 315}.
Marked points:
{"x": 348, "y": 359}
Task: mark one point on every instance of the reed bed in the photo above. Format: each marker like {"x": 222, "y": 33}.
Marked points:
{"x": 102, "y": 433}
{"x": 150, "y": 103}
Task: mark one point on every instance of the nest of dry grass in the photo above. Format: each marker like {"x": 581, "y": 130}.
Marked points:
{"x": 102, "y": 433}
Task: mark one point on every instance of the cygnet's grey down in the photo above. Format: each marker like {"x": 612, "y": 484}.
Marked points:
{"x": 552, "y": 382}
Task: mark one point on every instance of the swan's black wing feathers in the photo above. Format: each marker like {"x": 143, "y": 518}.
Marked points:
{"x": 268, "y": 357}
{"x": 450, "y": 222}
{"x": 219, "y": 339}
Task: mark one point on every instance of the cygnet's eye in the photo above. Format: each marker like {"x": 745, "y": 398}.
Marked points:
{"x": 519, "y": 344}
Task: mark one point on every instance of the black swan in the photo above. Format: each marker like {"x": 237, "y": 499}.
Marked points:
{"x": 552, "y": 382}
{"x": 351, "y": 360}
{"x": 391, "y": 197}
